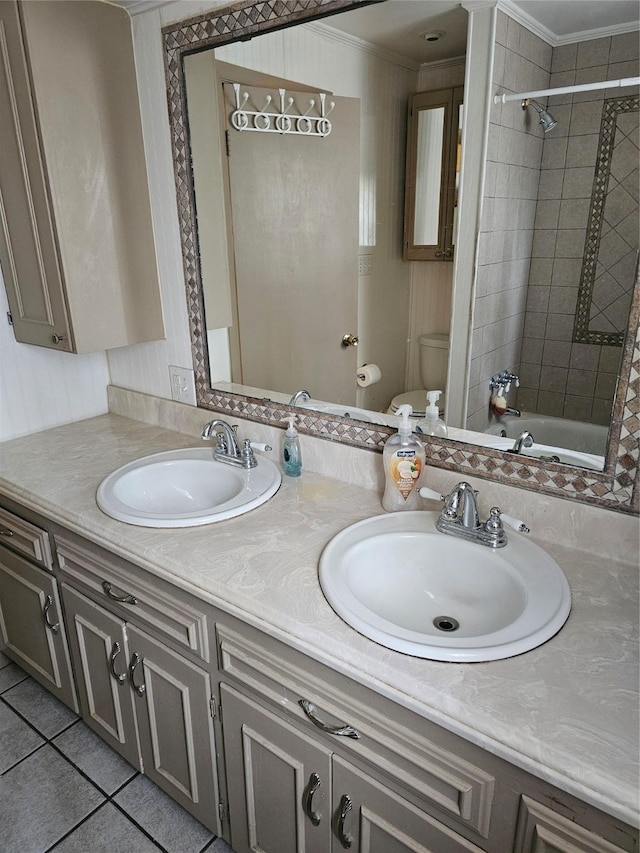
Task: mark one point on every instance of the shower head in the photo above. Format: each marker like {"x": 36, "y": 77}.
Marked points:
{"x": 547, "y": 121}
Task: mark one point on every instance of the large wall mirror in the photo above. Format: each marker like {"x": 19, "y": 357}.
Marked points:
{"x": 293, "y": 246}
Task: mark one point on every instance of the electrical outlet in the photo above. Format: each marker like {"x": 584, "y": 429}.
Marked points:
{"x": 365, "y": 263}
{"x": 183, "y": 386}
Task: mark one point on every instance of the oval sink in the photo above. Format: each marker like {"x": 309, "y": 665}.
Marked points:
{"x": 185, "y": 488}
{"x": 400, "y": 582}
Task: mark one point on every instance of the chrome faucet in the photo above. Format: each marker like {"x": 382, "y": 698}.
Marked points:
{"x": 516, "y": 413}
{"x": 301, "y": 395}
{"x": 525, "y": 439}
{"x": 460, "y": 517}
{"x": 227, "y": 448}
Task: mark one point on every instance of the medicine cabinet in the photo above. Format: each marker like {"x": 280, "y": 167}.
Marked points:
{"x": 432, "y": 172}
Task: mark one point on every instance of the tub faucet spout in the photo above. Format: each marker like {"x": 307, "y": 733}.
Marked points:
{"x": 525, "y": 439}
{"x": 300, "y": 396}
{"x": 511, "y": 411}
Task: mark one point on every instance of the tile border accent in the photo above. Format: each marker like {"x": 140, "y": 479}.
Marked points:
{"x": 582, "y": 333}
{"x": 616, "y": 487}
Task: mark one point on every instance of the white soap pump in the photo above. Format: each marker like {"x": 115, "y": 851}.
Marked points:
{"x": 432, "y": 423}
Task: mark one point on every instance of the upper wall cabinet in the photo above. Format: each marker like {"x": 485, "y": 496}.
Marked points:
{"x": 432, "y": 167}
{"x": 76, "y": 239}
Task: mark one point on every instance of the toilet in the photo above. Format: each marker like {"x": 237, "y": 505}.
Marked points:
{"x": 434, "y": 359}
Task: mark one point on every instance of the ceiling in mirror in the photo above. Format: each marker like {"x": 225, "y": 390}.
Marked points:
{"x": 267, "y": 406}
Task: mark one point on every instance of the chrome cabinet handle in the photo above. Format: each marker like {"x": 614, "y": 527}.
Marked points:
{"x": 135, "y": 660}
{"x": 312, "y": 787}
{"x": 54, "y": 627}
{"x": 4, "y": 531}
{"x": 120, "y": 677}
{"x": 341, "y": 730}
{"x": 58, "y": 339}
{"x": 123, "y": 599}
{"x": 345, "y": 807}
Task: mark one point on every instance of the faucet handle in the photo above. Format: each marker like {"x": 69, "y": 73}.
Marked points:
{"x": 494, "y": 523}
{"x": 431, "y": 494}
{"x": 516, "y": 523}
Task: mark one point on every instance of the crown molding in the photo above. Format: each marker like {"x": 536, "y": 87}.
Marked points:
{"x": 550, "y": 37}
{"x": 361, "y": 44}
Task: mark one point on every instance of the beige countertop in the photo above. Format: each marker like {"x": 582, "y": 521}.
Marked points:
{"x": 566, "y": 711}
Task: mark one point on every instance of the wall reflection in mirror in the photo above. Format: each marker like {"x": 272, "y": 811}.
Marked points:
{"x": 309, "y": 244}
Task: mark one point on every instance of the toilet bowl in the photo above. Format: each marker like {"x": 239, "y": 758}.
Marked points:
{"x": 434, "y": 359}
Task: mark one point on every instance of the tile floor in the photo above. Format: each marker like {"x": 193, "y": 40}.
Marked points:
{"x": 62, "y": 788}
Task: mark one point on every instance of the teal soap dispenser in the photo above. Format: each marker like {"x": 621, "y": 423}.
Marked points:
{"x": 291, "y": 453}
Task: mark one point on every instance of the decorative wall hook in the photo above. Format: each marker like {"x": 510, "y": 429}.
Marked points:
{"x": 272, "y": 120}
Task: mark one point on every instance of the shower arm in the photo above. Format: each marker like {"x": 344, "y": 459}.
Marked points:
{"x": 563, "y": 90}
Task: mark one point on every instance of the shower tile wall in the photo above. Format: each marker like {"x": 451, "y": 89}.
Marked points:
{"x": 559, "y": 377}
{"x": 522, "y": 63}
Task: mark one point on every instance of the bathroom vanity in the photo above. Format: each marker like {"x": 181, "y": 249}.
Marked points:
{"x": 210, "y": 660}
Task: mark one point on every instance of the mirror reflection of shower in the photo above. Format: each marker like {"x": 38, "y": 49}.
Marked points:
{"x": 546, "y": 120}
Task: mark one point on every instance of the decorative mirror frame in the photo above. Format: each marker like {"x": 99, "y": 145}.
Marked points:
{"x": 616, "y": 487}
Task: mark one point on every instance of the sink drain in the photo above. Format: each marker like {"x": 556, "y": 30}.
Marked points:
{"x": 446, "y": 623}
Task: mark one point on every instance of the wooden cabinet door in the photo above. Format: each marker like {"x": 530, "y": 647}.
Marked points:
{"x": 276, "y": 802}
{"x": 369, "y": 818}
{"x": 31, "y": 625}
{"x": 99, "y": 647}
{"x": 173, "y": 697}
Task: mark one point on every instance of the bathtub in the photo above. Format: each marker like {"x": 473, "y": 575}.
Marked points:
{"x": 554, "y": 432}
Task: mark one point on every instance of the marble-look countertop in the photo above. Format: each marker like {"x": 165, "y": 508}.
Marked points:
{"x": 566, "y": 711}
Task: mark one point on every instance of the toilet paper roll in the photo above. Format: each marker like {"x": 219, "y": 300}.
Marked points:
{"x": 368, "y": 374}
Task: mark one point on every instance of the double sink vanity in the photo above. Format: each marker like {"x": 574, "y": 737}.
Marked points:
{"x": 208, "y": 656}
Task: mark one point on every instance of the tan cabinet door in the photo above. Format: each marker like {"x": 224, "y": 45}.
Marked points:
{"x": 99, "y": 647}
{"x": 369, "y": 818}
{"x": 31, "y": 625}
{"x": 28, "y": 253}
{"x": 275, "y": 800}
{"x": 172, "y": 698}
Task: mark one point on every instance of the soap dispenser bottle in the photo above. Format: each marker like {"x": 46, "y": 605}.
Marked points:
{"x": 291, "y": 454}
{"x": 432, "y": 423}
{"x": 403, "y": 459}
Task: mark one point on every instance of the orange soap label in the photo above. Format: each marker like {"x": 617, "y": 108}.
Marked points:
{"x": 404, "y": 468}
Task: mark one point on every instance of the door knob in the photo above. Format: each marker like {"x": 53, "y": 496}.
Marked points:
{"x": 349, "y": 340}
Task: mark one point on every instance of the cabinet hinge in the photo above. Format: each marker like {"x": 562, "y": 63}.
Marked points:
{"x": 223, "y": 812}
{"x": 9, "y": 318}
{"x": 212, "y": 707}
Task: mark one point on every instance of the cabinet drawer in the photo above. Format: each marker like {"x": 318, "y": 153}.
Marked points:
{"x": 541, "y": 830}
{"x": 402, "y": 749}
{"x": 25, "y": 538}
{"x": 135, "y": 594}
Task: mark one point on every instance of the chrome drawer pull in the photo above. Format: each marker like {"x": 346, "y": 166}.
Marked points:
{"x": 345, "y": 807}
{"x": 54, "y": 627}
{"x": 314, "y": 784}
{"x": 4, "y": 531}
{"x": 123, "y": 599}
{"x": 135, "y": 660}
{"x": 341, "y": 730}
{"x": 119, "y": 676}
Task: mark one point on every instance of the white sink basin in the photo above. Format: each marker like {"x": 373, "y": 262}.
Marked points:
{"x": 185, "y": 488}
{"x": 398, "y": 581}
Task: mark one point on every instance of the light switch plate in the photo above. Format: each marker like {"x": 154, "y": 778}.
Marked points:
{"x": 183, "y": 385}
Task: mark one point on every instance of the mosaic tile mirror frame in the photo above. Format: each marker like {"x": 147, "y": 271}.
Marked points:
{"x": 616, "y": 487}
